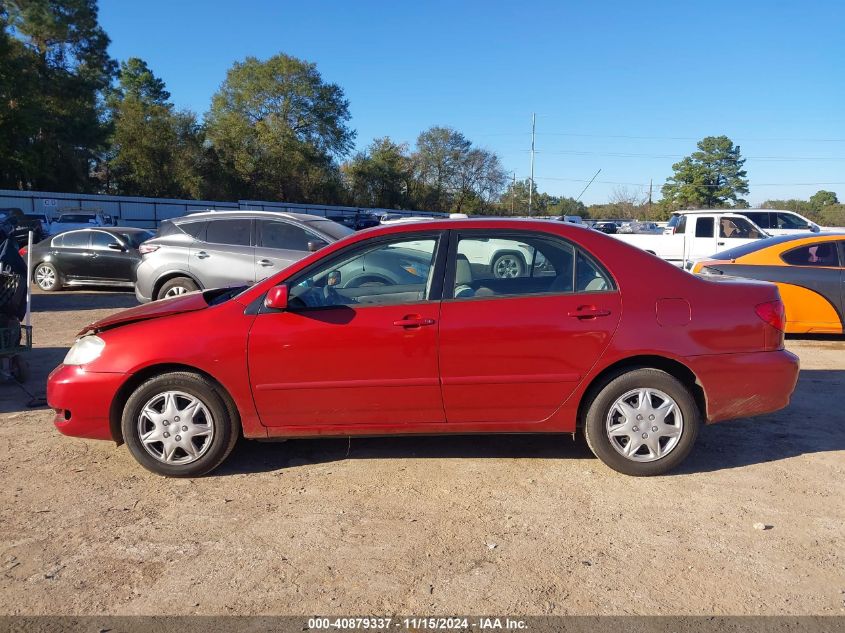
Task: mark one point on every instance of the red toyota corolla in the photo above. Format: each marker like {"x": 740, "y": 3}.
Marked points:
{"x": 451, "y": 326}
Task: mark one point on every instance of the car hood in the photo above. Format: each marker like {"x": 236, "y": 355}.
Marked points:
{"x": 166, "y": 307}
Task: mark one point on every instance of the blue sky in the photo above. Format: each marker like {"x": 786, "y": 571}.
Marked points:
{"x": 625, "y": 87}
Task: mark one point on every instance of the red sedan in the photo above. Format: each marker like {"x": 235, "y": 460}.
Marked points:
{"x": 408, "y": 329}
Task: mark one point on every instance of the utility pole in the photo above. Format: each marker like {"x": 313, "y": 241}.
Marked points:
{"x": 649, "y": 199}
{"x": 531, "y": 184}
{"x": 513, "y": 190}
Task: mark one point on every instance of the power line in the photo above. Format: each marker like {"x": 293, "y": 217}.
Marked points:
{"x": 670, "y": 138}
{"x": 645, "y": 184}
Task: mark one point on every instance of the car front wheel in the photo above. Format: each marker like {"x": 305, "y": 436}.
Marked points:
{"x": 643, "y": 422}
{"x": 177, "y": 425}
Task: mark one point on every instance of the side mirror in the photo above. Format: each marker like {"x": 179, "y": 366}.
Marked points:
{"x": 277, "y": 298}
{"x": 315, "y": 246}
{"x": 117, "y": 247}
{"x": 815, "y": 228}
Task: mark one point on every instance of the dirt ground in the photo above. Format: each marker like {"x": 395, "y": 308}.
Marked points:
{"x": 479, "y": 525}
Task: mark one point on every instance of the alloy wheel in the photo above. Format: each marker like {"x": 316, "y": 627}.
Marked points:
{"x": 45, "y": 277}
{"x": 508, "y": 267}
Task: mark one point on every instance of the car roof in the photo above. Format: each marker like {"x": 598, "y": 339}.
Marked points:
{"x": 247, "y": 213}
{"x": 784, "y": 240}
{"x": 719, "y": 211}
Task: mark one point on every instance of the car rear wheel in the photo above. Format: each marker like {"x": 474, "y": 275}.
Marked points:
{"x": 507, "y": 266}
{"x": 177, "y": 425}
{"x": 47, "y": 277}
{"x": 642, "y": 422}
{"x": 177, "y": 286}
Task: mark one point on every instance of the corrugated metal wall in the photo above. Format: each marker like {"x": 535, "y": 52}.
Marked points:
{"x": 148, "y": 212}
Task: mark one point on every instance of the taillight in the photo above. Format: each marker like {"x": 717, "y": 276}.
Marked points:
{"x": 772, "y": 312}
{"x": 22, "y": 251}
{"x": 148, "y": 248}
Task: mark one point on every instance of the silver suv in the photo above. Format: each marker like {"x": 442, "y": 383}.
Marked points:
{"x": 214, "y": 249}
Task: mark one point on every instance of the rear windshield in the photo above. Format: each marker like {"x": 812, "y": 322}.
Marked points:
{"x": 332, "y": 229}
{"x": 745, "y": 249}
{"x": 673, "y": 222}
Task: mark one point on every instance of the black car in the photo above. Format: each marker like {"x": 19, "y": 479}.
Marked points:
{"x": 103, "y": 256}
{"x": 606, "y": 227}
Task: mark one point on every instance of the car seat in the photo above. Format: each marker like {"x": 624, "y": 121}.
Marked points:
{"x": 463, "y": 278}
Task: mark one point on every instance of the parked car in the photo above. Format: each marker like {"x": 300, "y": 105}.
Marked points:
{"x": 778, "y": 222}
{"x": 444, "y": 350}
{"x": 809, "y": 270}
{"x": 80, "y": 219}
{"x": 695, "y": 234}
{"x": 42, "y": 220}
{"x": 213, "y": 249}
{"x": 609, "y": 228}
{"x": 19, "y": 225}
{"x": 87, "y": 257}
{"x": 357, "y": 221}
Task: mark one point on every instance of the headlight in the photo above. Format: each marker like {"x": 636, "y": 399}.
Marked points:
{"x": 85, "y": 350}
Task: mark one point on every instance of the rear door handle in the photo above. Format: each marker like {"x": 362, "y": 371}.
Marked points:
{"x": 202, "y": 255}
{"x": 413, "y": 321}
{"x": 588, "y": 312}
{"x": 720, "y": 243}
{"x": 265, "y": 262}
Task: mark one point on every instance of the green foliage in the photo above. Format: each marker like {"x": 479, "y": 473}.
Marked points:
{"x": 277, "y": 129}
{"x": 58, "y": 54}
{"x": 452, "y": 175}
{"x": 380, "y": 176}
{"x": 711, "y": 177}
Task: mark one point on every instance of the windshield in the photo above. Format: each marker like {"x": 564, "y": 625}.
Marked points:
{"x": 332, "y": 229}
{"x": 76, "y": 217}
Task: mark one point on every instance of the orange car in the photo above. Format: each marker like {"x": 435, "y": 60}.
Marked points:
{"x": 809, "y": 270}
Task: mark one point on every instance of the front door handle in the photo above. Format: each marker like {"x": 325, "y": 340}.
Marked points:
{"x": 588, "y": 312}
{"x": 720, "y": 243}
{"x": 202, "y": 255}
{"x": 413, "y": 321}
{"x": 265, "y": 262}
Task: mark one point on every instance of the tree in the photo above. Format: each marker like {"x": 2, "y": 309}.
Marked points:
{"x": 65, "y": 68}
{"x": 711, "y": 177}
{"x": 452, "y": 175}
{"x": 380, "y": 176}
{"x": 823, "y": 198}
{"x": 278, "y": 130}
{"x": 155, "y": 151}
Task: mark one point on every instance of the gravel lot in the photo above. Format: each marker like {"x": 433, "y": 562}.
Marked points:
{"x": 511, "y": 524}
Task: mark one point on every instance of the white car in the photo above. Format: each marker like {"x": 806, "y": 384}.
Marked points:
{"x": 78, "y": 220}
{"x": 780, "y": 222}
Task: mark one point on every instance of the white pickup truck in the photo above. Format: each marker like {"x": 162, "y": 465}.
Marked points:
{"x": 697, "y": 234}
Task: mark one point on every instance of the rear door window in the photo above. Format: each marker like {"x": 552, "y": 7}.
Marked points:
{"x": 820, "y": 255}
{"x": 76, "y": 239}
{"x": 760, "y": 218}
{"x": 235, "y": 232}
{"x": 101, "y": 240}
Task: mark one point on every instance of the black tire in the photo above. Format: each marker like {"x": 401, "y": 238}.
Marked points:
{"x": 595, "y": 423}
{"x": 517, "y": 265}
{"x": 224, "y": 421}
{"x": 47, "y": 271}
{"x": 177, "y": 286}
